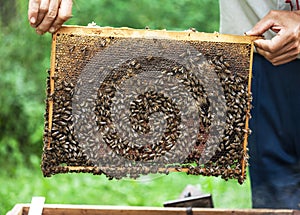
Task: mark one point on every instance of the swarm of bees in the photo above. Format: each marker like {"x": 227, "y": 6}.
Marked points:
{"x": 182, "y": 106}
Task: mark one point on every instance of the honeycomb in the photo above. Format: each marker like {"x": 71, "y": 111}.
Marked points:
{"x": 125, "y": 102}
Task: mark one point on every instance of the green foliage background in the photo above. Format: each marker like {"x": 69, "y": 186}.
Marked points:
{"x": 24, "y": 61}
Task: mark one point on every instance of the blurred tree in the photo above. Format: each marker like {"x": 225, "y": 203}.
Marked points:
{"x": 7, "y": 11}
{"x": 157, "y": 14}
{"x": 24, "y": 58}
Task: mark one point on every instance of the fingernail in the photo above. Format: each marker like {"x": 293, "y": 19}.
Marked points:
{"x": 248, "y": 33}
{"x": 52, "y": 30}
{"x": 32, "y": 20}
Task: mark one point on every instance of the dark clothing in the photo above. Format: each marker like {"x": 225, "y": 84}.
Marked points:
{"x": 275, "y": 140}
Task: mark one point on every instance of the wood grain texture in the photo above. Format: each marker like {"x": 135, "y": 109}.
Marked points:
{"x": 128, "y": 210}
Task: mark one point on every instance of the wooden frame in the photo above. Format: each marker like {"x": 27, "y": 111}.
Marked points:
{"x": 22, "y": 209}
{"x": 108, "y": 32}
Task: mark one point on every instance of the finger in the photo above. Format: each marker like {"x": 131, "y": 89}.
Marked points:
{"x": 33, "y": 10}
{"x": 64, "y": 13}
{"x": 279, "y": 59}
{"x": 276, "y": 44}
{"x": 43, "y": 9}
{"x": 266, "y": 23}
{"x": 285, "y": 57}
{"x": 261, "y": 27}
{"x": 49, "y": 17}
{"x": 275, "y": 50}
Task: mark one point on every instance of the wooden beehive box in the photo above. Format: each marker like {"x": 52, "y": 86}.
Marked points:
{"x": 125, "y": 102}
{"x": 23, "y": 209}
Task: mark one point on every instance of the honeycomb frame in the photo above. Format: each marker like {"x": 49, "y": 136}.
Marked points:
{"x": 75, "y": 50}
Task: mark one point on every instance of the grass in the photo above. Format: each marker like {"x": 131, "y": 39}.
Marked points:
{"x": 151, "y": 190}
